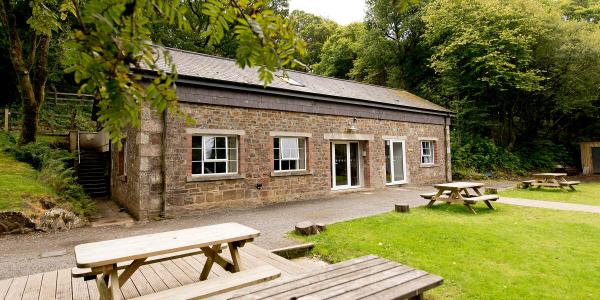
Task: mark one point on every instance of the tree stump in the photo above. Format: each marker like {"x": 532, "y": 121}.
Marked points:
{"x": 306, "y": 228}
{"x": 491, "y": 191}
{"x": 403, "y": 208}
{"x": 320, "y": 227}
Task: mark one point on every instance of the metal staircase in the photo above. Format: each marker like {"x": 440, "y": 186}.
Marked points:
{"x": 93, "y": 173}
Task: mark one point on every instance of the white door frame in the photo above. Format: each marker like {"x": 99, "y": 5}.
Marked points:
{"x": 334, "y": 186}
{"x": 392, "y": 171}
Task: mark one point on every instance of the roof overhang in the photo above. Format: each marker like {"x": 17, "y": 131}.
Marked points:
{"x": 222, "y": 84}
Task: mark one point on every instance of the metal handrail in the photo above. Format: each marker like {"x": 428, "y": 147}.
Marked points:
{"x": 78, "y": 150}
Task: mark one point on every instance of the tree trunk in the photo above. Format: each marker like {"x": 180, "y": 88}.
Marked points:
{"x": 31, "y": 91}
{"x": 31, "y": 109}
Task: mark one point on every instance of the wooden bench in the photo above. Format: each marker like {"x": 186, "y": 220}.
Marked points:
{"x": 570, "y": 184}
{"x": 367, "y": 277}
{"x": 527, "y": 183}
{"x": 88, "y": 274}
{"x": 213, "y": 287}
{"x": 428, "y": 196}
{"x": 485, "y": 199}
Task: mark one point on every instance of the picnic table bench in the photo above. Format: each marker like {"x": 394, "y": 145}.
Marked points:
{"x": 458, "y": 192}
{"x": 553, "y": 180}
{"x": 367, "y": 277}
{"x": 103, "y": 260}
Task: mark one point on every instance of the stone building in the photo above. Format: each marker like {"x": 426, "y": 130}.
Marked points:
{"x": 303, "y": 137}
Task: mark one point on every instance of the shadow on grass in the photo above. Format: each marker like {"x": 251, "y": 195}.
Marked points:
{"x": 480, "y": 208}
{"x": 543, "y": 190}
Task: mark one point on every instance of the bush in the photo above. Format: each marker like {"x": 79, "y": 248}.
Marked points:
{"x": 477, "y": 155}
{"x": 544, "y": 154}
{"x": 55, "y": 166}
{"x": 472, "y": 156}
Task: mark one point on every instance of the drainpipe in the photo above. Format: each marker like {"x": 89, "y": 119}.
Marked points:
{"x": 163, "y": 164}
{"x": 447, "y": 146}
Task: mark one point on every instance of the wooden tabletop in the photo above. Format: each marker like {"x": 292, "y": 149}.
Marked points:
{"x": 550, "y": 174}
{"x": 368, "y": 277}
{"x": 142, "y": 246}
{"x": 458, "y": 185}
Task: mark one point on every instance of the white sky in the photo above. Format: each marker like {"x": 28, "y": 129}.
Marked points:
{"x": 341, "y": 11}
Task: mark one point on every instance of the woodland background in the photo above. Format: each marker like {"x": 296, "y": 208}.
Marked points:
{"x": 523, "y": 76}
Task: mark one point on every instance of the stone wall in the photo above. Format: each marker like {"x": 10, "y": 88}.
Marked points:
{"x": 258, "y": 152}
{"x": 124, "y": 188}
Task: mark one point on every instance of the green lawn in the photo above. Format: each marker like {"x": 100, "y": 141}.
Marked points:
{"x": 18, "y": 179}
{"x": 511, "y": 253}
{"x": 587, "y": 193}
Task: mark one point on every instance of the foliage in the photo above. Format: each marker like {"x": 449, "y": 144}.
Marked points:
{"x": 523, "y": 77}
{"x": 586, "y": 193}
{"x": 54, "y": 171}
{"x": 114, "y": 37}
{"x": 485, "y": 256}
{"x": 314, "y": 30}
{"x": 340, "y": 51}
{"x": 28, "y": 27}
{"x": 582, "y": 10}
{"x": 391, "y": 53}
{"x": 479, "y": 155}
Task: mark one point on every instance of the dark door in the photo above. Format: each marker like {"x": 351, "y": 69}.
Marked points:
{"x": 596, "y": 159}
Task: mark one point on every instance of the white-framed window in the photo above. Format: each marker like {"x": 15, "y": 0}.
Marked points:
{"x": 212, "y": 154}
{"x": 427, "y": 152}
{"x": 289, "y": 153}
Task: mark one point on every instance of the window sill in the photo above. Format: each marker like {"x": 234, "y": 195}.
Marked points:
{"x": 201, "y": 178}
{"x": 428, "y": 165}
{"x": 291, "y": 173}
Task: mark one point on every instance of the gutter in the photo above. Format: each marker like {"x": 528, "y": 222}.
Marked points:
{"x": 163, "y": 165}
{"x": 447, "y": 146}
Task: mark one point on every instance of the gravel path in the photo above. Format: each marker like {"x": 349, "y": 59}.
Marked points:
{"x": 551, "y": 205}
{"x": 21, "y": 254}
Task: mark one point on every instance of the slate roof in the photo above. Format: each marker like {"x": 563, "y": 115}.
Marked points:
{"x": 202, "y": 66}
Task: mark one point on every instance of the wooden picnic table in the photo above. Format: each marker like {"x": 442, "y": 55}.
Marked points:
{"x": 555, "y": 180}
{"x": 103, "y": 257}
{"x": 367, "y": 277}
{"x": 458, "y": 192}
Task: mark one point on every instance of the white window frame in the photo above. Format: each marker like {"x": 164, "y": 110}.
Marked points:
{"x": 226, "y": 160}
{"x": 431, "y": 152}
{"x": 280, "y": 159}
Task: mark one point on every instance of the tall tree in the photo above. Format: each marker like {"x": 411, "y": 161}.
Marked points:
{"x": 392, "y": 53}
{"x": 340, "y": 50}
{"x": 28, "y": 47}
{"x": 314, "y": 30}
{"x": 529, "y": 72}
{"x": 582, "y": 10}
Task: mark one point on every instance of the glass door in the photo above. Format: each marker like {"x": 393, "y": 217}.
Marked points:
{"x": 345, "y": 165}
{"x": 340, "y": 165}
{"x": 395, "y": 162}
